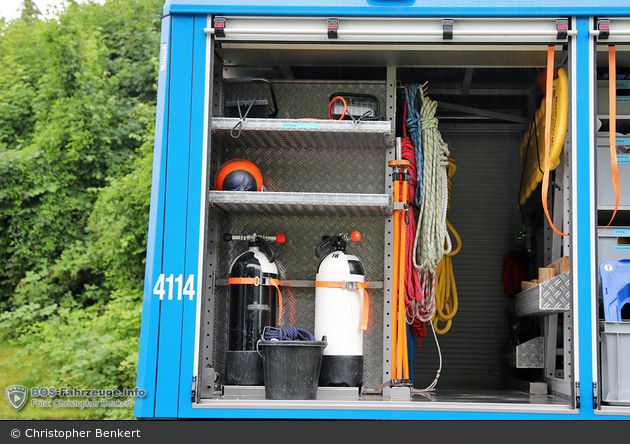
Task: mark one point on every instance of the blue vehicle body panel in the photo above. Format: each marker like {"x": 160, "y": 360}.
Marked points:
{"x": 175, "y": 217}
{"x": 493, "y": 8}
{"x": 194, "y": 207}
{"x": 149, "y": 330}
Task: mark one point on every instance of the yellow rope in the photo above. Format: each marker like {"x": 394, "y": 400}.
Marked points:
{"x": 446, "y": 301}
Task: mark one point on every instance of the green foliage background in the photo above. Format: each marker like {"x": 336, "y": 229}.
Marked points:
{"x": 77, "y": 101}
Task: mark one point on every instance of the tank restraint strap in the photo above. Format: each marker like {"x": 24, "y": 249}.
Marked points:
{"x": 351, "y": 286}
{"x": 265, "y": 281}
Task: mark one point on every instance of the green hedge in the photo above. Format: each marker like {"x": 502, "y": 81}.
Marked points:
{"x": 76, "y": 140}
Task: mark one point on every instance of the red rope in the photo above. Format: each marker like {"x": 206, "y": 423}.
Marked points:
{"x": 413, "y": 283}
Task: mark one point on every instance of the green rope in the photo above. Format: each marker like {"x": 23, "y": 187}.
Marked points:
{"x": 431, "y": 231}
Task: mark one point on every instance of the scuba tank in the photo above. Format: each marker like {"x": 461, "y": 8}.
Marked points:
{"x": 253, "y": 303}
{"x": 340, "y": 304}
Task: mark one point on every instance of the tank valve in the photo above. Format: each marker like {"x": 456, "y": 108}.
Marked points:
{"x": 338, "y": 241}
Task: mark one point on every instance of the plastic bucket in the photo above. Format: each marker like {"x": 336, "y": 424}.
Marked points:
{"x": 291, "y": 368}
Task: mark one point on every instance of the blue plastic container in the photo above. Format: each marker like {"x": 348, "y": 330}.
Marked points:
{"x": 615, "y": 279}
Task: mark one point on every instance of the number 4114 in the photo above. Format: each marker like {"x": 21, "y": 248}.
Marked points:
{"x": 187, "y": 289}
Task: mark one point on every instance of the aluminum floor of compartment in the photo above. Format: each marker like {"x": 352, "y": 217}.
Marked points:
{"x": 474, "y": 400}
{"x": 489, "y": 397}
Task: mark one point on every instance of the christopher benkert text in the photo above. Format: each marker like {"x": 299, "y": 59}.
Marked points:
{"x": 98, "y": 433}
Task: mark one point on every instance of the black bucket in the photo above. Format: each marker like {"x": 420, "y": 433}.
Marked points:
{"x": 291, "y": 368}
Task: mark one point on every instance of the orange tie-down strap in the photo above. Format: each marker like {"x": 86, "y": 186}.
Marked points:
{"x": 612, "y": 129}
{"x": 265, "y": 281}
{"x": 351, "y": 286}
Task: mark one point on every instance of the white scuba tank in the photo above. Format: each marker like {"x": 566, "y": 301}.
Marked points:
{"x": 339, "y": 312}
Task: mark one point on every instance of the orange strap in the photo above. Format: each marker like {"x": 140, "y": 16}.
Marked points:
{"x": 612, "y": 130}
{"x": 549, "y": 96}
{"x": 359, "y": 286}
{"x": 256, "y": 281}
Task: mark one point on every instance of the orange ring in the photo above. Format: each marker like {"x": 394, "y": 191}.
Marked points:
{"x": 345, "y": 107}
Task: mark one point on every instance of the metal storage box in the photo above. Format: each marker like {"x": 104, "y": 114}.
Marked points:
{"x": 615, "y": 338}
{"x": 614, "y": 244}
{"x": 623, "y": 103}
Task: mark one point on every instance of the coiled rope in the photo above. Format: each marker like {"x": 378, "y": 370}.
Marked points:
{"x": 414, "y": 294}
{"x": 429, "y": 183}
{"x": 446, "y": 302}
{"x": 431, "y": 231}
{"x": 289, "y": 334}
{"x": 413, "y": 125}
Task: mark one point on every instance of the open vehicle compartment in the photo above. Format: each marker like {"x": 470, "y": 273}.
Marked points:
{"x": 326, "y": 177}
{"x": 611, "y": 362}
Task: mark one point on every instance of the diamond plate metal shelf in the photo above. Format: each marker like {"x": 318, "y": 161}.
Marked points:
{"x": 549, "y": 297}
{"x": 303, "y": 284}
{"x": 301, "y": 204}
{"x": 529, "y": 354}
{"x": 304, "y": 132}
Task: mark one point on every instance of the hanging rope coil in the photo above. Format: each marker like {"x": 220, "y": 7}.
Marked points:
{"x": 429, "y": 229}
{"x": 446, "y": 301}
{"x": 430, "y": 290}
{"x": 431, "y": 232}
{"x": 413, "y": 125}
{"x": 414, "y": 294}
{"x": 429, "y": 187}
